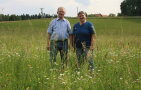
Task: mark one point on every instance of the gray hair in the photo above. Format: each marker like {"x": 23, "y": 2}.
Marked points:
{"x": 82, "y": 12}
{"x": 61, "y": 8}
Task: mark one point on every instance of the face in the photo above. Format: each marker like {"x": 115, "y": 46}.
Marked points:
{"x": 82, "y": 17}
{"x": 61, "y": 12}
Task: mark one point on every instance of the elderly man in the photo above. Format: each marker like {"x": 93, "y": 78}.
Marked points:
{"x": 57, "y": 37}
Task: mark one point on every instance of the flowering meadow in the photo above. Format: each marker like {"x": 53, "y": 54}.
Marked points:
{"x": 25, "y": 64}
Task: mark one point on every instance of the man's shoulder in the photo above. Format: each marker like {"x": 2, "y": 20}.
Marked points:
{"x": 53, "y": 20}
{"x": 66, "y": 20}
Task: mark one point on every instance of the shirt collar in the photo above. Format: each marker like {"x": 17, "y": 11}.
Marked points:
{"x": 59, "y": 19}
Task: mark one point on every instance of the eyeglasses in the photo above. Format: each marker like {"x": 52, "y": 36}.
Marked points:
{"x": 61, "y": 11}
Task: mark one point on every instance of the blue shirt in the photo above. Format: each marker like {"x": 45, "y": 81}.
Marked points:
{"x": 82, "y": 34}
{"x": 59, "y": 29}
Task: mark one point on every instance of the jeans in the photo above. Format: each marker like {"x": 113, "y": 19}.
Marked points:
{"x": 84, "y": 54}
{"x": 62, "y": 47}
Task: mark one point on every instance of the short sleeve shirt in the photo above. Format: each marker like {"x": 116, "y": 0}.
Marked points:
{"x": 82, "y": 34}
{"x": 59, "y": 29}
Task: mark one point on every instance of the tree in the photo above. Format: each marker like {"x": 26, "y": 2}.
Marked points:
{"x": 112, "y": 15}
{"x": 119, "y": 14}
{"x": 39, "y": 16}
{"x": 12, "y": 17}
{"x": 131, "y": 8}
{"x": 1, "y": 17}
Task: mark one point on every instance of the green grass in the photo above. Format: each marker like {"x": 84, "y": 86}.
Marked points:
{"x": 25, "y": 65}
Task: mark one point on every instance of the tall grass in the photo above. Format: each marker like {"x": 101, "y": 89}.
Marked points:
{"x": 24, "y": 60}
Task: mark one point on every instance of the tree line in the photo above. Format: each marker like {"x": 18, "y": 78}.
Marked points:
{"x": 14, "y": 17}
{"x": 131, "y": 8}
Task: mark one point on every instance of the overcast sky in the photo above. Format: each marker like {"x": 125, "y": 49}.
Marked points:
{"x": 50, "y": 6}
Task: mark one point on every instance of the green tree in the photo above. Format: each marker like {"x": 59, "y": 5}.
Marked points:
{"x": 112, "y": 15}
{"x": 131, "y": 8}
{"x": 12, "y": 17}
{"x": 1, "y": 17}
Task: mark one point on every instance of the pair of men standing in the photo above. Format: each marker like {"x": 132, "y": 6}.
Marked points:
{"x": 81, "y": 38}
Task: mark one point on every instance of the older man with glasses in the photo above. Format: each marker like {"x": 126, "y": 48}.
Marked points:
{"x": 58, "y": 33}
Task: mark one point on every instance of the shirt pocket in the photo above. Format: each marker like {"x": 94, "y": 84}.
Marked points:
{"x": 54, "y": 27}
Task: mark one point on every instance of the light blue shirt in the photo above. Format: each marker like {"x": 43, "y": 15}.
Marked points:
{"x": 59, "y": 29}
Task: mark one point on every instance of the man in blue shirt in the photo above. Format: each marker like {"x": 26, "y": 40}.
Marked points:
{"x": 83, "y": 33}
{"x": 57, "y": 36}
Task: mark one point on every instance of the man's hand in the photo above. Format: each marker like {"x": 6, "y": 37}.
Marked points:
{"x": 48, "y": 47}
{"x": 48, "y": 41}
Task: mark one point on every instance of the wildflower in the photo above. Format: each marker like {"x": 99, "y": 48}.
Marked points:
{"x": 99, "y": 70}
{"x": 78, "y": 73}
{"x": 38, "y": 79}
{"x": 90, "y": 77}
{"x": 81, "y": 77}
{"x": 51, "y": 69}
{"x": 17, "y": 54}
{"x": 78, "y": 78}
{"x": 66, "y": 71}
{"x": 63, "y": 83}
{"x": 9, "y": 56}
{"x": 47, "y": 78}
{"x": 55, "y": 63}
{"x": 61, "y": 74}
{"x": 121, "y": 78}
{"x": 31, "y": 67}
{"x": 27, "y": 88}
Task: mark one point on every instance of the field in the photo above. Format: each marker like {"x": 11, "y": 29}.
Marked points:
{"x": 25, "y": 65}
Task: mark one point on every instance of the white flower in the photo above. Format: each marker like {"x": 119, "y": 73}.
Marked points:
{"x": 61, "y": 74}
{"x": 121, "y": 78}
{"x": 99, "y": 70}
{"x": 78, "y": 73}
{"x": 47, "y": 78}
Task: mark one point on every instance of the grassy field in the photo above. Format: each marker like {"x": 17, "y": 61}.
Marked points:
{"x": 24, "y": 60}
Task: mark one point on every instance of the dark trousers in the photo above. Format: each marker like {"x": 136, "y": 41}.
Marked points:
{"x": 83, "y": 55}
{"x": 62, "y": 47}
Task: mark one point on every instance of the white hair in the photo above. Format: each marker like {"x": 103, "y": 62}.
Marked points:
{"x": 61, "y": 8}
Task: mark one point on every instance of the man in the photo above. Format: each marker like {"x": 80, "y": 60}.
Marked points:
{"x": 57, "y": 37}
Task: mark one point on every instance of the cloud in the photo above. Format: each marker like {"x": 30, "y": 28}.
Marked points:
{"x": 83, "y": 2}
{"x": 103, "y": 7}
{"x": 33, "y": 6}
{"x": 50, "y": 6}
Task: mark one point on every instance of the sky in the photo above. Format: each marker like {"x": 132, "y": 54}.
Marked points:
{"x": 19, "y": 7}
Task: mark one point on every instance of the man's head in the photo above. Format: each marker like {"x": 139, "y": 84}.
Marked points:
{"x": 82, "y": 16}
{"x": 61, "y": 12}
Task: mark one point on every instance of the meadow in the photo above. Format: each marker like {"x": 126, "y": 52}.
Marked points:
{"x": 25, "y": 64}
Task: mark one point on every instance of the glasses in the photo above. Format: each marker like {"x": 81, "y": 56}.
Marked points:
{"x": 61, "y": 11}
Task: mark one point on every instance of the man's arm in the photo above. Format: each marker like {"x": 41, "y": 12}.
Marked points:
{"x": 70, "y": 36}
{"x": 48, "y": 41}
{"x": 92, "y": 41}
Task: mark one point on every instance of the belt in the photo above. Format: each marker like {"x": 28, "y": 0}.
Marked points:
{"x": 60, "y": 40}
